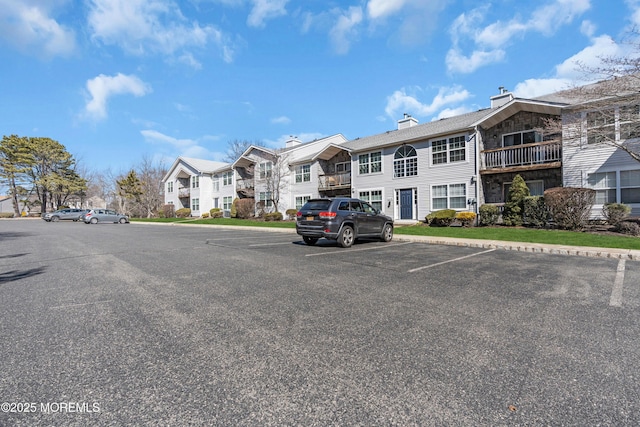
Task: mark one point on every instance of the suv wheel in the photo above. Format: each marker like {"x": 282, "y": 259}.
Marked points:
{"x": 55, "y": 218}
{"x": 310, "y": 240}
{"x": 387, "y": 233}
{"x": 346, "y": 237}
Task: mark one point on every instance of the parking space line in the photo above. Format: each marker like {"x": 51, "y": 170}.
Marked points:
{"x": 359, "y": 250}
{"x": 448, "y": 261}
{"x": 271, "y": 244}
{"x": 616, "y": 293}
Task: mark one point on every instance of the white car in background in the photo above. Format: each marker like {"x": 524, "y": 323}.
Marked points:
{"x": 95, "y": 216}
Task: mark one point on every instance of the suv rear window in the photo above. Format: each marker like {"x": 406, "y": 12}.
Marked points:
{"x": 316, "y": 205}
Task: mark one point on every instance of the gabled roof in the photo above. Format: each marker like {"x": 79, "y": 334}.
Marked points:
{"x": 436, "y": 128}
{"x": 517, "y": 105}
{"x": 244, "y": 160}
{"x": 200, "y": 165}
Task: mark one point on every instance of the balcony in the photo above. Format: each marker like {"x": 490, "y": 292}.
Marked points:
{"x": 334, "y": 181}
{"x": 184, "y": 192}
{"x": 245, "y": 187}
{"x": 540, "y": 155}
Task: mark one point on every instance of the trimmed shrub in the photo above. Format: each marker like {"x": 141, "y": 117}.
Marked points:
{"x": 245, "y": 208}
{"x": 234, "y": 208}
{"x": 570, "y": 207}
{"x": 291, "y": 213}
{"x": 514, "y": 206}
{"x": 466, "y": 218}
{"x": 205, "y": 215}
{"x": 615, "y": 213}
{"x": 216, "y": 213}
{"x": 7, "y": 214}
{"x": 183, "y": 213}
{"x": 273, "y": 216}
{"x": 489, "y": 215}
{"x": 168, "y": 211}
{"x": 442, "y": 218}
{"x": 628, "y": 227}
{"x": 535, "y": 212}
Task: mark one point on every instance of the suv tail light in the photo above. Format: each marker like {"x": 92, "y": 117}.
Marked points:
{"x": 327, "y": 214}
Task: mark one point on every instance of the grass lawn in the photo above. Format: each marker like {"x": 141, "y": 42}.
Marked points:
{"x": 511, "y": 234}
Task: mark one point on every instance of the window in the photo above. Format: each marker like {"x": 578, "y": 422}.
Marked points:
{"x": 266, "y": 199}
{"x": 405, "y": 162}
{"x": 227, "y": 178}
{"x": 452, "y": 196}
{"x": 227, "y": 201}
{"x": 449, "y": 150}
{"x": 170, "y": 187}
{"x": 301, "y": 200}
{"x": 536, "y": 188}
{"x": 605, "y": 184}
{"x": 216, "y": 202}
{"x": 519, "y": 138}
{"x": 373, "y": 196}
{"x": 629, "y": 122}
{"x": 601, "y": 126}
{"x": 216, "y": 184}
{"x": 303, "y": 173}
{"x": 370, "y": 163}
{"x": 264, "y": 170}
{"x": 630, "y": 186}
{"x": 195, "y": 181}
{"x": 343, "y": 167}
{"x": 195, "y": 204}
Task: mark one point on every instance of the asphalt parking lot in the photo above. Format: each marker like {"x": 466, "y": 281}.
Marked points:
{"x": 141, "y": 324}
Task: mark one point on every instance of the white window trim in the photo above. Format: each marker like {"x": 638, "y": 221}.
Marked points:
{"x": 298, "y": 171}
{"x": 309, "y": 196}
{"x": 448, "y": 151}
{"x": 369, "y": 163}
{"x": 370, "y": 190}
{"x": 448, "y": 185}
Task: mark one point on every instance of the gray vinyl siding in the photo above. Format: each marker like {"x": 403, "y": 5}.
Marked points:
{"x": 428, "y": 175}
{"x": 580, "y": 159}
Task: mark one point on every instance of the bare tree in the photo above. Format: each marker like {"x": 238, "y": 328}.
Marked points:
{"x": 276, "y": 180}
{"x": 152, "y": 196}
{"x": 611, "y": 107}
{"x": 237, "y": 147}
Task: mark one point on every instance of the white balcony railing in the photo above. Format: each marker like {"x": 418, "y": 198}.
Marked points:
{"x": 522, "y": 155}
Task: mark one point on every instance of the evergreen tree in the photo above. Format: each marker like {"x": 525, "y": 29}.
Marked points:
{"x": 514, "y": 207}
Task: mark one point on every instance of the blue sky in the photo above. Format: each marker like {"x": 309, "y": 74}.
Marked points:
{"x": 118, "y": 80}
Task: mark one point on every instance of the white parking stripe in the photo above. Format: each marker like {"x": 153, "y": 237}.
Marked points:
{"x": 616, "y": 293}
{"x": 359, "y": 250}
{"x": 271, "y": 244}
{"x": 448, "y": 261}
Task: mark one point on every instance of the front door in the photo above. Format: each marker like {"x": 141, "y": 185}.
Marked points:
{"x": 406, "y": 204}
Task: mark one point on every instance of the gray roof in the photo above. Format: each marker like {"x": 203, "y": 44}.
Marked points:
{"x": 205, "y": 166}
{"x": 417, "y": 132}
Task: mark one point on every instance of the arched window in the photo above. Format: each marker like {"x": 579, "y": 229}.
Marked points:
{"x": 405, "y": 162}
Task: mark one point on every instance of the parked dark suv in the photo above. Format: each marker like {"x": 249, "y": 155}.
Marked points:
{"x": 342, "y": 219}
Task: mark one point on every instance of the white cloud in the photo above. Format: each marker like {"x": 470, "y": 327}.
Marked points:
{"x": 345, "y": 29}
{"x": 459, "y": 63}
{"x": 282, "y": 120}
{"x": 28, "y": 27}
{"x": 383, "y": 8}
{"x": 572, "y": 70}
{"x": 406, "y": 101}
{"x": 103, "y": 87}
{"x": 153, "y": 26}
{"x": 266, "y": 9}
{"x": 489, "y": 41}
{"x": 182, "y": 146}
